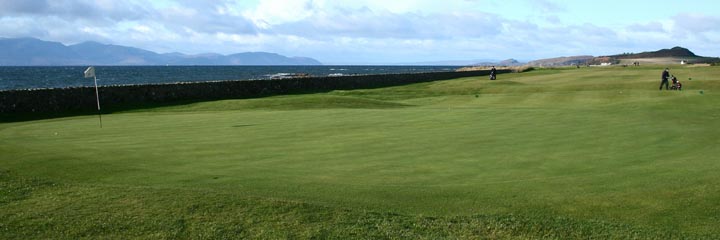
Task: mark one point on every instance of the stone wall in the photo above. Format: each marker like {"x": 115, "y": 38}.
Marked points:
{"x": 82, "y": 99}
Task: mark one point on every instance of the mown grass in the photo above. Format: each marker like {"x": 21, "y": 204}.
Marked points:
{"x": 547, "y": 154}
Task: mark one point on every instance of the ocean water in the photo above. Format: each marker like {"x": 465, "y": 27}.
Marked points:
{"x": 12, "y": 78}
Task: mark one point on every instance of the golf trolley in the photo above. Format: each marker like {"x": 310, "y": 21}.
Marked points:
{"x": 676, "y": 85}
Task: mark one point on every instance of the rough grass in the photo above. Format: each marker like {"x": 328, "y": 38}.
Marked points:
{"x": 548, "y": 154}
{"x": 40, "y": 209}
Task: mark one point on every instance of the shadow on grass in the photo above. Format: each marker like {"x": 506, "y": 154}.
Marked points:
{"x": 254, "y": 102}
{"x": 24, "y": 117}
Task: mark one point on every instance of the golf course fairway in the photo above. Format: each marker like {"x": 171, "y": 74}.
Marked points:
{"x": 546, "y": 154}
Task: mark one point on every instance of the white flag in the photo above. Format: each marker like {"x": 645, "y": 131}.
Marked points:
{"x": 90, "y": 72}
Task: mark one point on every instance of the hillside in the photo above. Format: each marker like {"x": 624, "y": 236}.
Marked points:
{"x": 676, "y": 52}
{"x": 561, "y": 61}
{"x": 663, "y": 56}
{"x": 35, "y": 52}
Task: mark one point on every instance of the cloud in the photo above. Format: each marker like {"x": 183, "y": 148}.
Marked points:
{"x": 695, "y": 24}
{"x": 199, "y": 20}
{"x": 127, "y": 22}
{"x": 651, "y": 27}
{"x": 272, "y": 12}
{"x": 8, "y": 7}
{"x": 547, "y": 6}
{"x": 104, "y": 10}
{"x": 367, "y": 23}
{"x": 368, "y": 30}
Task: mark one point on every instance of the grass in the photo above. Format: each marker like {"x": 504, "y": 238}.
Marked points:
{"x": 547, "y": 154}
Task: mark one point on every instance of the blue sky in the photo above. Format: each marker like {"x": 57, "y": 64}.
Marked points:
{"x": 375, "y": 31}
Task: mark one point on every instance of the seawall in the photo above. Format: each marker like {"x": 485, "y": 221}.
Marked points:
{"x": 82, "y": 99}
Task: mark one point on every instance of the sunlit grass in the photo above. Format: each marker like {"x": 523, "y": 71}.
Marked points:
{"x": 551, "y": 153}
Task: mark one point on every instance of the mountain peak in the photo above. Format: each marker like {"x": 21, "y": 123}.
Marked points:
{"x": 679, "y": 52}
{"x": 93, "y": 43}
{"x": 509, "y": 62}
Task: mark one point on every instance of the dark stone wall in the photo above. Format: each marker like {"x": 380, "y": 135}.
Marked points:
{"x": 82, "y": 99}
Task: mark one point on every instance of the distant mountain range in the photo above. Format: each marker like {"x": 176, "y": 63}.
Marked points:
{"x": 504, "y": 63}
{"x": 35, "y": 52}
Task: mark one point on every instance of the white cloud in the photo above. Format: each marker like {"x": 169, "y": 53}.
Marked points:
{"x": 547, "y": 6}
{"x": 651, "y": 27}
{"x": 695, "y": 24}
{"x": 385, "y": 24}
{"x": 143, "y": 29}
{"x": 273, "y": 12}
{"x": 357, "y": 31}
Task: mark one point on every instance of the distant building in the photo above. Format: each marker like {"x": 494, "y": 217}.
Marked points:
{"x": 605, "y": 64}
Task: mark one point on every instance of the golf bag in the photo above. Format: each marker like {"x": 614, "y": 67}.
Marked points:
{"x": 676, "y": 86}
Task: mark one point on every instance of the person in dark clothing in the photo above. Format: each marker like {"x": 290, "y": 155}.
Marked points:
{"x": 665, "y": 76}
{"x": 493, "y": 71}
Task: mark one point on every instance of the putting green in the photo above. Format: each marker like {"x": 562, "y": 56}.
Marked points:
{"x": 589, "y": 145}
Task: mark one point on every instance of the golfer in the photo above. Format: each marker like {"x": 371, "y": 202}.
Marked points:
{"x": 493, "y": 73}
{"x": 665, "y": 76}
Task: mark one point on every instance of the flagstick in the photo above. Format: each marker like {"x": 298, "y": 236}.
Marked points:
{"x": 97, "y": 97}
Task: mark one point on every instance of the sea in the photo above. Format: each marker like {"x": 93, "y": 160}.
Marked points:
{"x": 16, "y": 78}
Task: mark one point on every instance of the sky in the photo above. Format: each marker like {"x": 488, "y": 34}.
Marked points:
{"x": 375, "y": 31}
